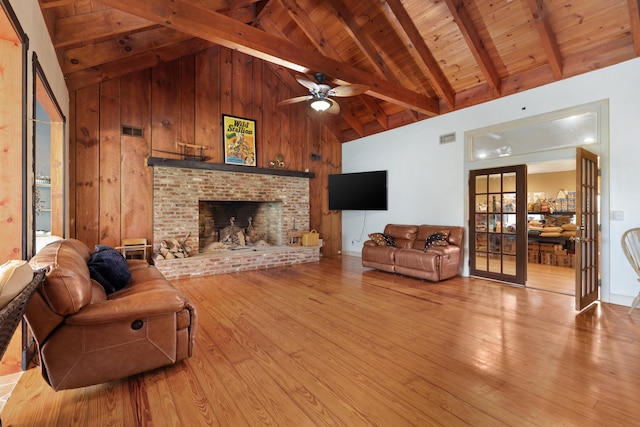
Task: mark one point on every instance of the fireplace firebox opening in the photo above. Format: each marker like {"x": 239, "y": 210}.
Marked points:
{"x": 236, "y": 225}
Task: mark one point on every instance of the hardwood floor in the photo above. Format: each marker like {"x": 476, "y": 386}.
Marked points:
{"x": 551, "y": 278}
{"x": 332, "y": 343}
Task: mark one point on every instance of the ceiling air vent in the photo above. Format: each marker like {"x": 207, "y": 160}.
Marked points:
{"x": 447, "y": 138}
{"x": 131, "y": 131}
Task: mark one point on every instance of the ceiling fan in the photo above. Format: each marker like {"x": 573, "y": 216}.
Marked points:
{"x": 320, "y": 93}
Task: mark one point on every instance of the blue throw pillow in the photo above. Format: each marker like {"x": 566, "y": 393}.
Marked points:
{"x": 108, "y": 267}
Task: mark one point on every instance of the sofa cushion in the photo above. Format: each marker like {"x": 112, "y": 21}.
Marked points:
{"x": 382, "y": 239}
{"x": 68, "y": 286}
{"x": 404, "y": 235}
{"x": 439, "y": 238}
{"x": 108, "y": 267}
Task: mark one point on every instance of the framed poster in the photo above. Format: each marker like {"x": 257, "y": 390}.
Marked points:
{"x": 239, "y": 139}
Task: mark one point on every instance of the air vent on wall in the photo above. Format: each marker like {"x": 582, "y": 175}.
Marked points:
{"x": 447, "y": 138}
{"x": 131, "y": 131}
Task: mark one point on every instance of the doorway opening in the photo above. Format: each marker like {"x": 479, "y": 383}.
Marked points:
{"x": 552, "y": 137}
{"x": 551, "y": 227}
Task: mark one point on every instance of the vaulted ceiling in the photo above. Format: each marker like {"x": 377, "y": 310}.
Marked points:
{"x": 418, "y": 58}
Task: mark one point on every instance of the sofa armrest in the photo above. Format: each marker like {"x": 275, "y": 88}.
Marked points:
{"x": 134, "y": 306}
{"x": 369, "y": 243}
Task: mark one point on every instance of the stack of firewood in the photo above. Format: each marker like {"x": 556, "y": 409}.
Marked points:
{"x": 173, "y": 248}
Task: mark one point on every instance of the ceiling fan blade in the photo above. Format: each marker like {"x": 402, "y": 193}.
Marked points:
{"x": 294, "y": 100}
{"x": 349, "y": 90}
{"x": 313, "y": 86}
{"x": 334, "y": 109}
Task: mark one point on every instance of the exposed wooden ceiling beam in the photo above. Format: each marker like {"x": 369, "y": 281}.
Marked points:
{"x": 124, "y": 66}
{"x": 125, "y": 46}
{"x": 48, "y": 4}
{"x": 407, "y": 28}
{"x": 217, "y": 28}
{"x": 541, "y": 19}
{"x": 362, "y": 40}
{"x": 95, "y": 25}
{"x": 317, "y": 39}
{"x": 470, "y": 33}
{"x": 381, "y": 117}
{"x": 634, "y": 14}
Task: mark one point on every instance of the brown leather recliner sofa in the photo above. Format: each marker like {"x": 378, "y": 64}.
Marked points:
{"x": 409, "y": 257}
{"x": 87, "y": 337}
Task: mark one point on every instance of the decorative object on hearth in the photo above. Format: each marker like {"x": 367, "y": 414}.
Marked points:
{"x": 232, "y": 235}
{"x": 310, "y": 238}
{"x": 294, "y": 236}
{"x": 320, "y": 93}
{"x": 239, "y": 139}
{"x": 250, "y": 232}
{"x": 278, "y": 163}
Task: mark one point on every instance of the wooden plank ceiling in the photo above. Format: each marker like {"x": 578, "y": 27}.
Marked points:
{"x": 418, "y": 58}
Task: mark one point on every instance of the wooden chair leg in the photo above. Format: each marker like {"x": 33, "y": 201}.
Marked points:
{"x": 636, "y": 301}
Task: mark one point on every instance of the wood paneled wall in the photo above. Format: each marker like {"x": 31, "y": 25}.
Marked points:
{"x": 183, "y": 100}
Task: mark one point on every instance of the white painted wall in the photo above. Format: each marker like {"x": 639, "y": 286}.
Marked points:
{"x": 427, "y": 181}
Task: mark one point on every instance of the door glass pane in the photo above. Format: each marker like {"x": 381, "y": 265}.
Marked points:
{"x": 509, "y": 202}
{"x": 495, "y": 183}
{"x": 495, "y": 266}
{"x": 509, "y": 265}
{"x": 481, "y": 222}
{"x": 494, "y": 202}
{"x": 481, "y": 261}
{"x": 509, "y": 182}
{"x": 509, "y": 244}
{"x": 481, "y": 184}
{"x": 509, "y": 223}
{"x": 481, "y": 203}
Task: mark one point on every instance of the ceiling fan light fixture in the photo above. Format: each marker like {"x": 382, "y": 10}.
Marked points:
{"x": 321, "y": 104}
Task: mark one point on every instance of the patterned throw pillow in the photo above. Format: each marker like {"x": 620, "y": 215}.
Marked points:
{"x": 382, "y": 239}
{"x": 439, "y": 238}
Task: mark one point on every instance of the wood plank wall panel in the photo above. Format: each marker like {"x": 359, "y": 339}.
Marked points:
{"x": 272, "y": 129}
{"x": 109, "y": 178}
{"x": 188, "y": 107}
{"x": 226, "y": 85}
{"x": 328, "y": 223}
{"x": 11, "y": 164}
{"x": 87, "y": 168}
{"x": 137, "y": 179}
{"x": 71, "y": 194}
{"x": 165, "y": 110}
{"x": 207, "y": 114}
{"x": 184, "y": 100}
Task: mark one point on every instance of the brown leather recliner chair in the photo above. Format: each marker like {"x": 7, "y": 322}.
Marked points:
{"x": 85, "y": 337}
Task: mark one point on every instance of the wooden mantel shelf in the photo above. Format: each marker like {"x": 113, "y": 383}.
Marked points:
{"x": 196, "y": 164}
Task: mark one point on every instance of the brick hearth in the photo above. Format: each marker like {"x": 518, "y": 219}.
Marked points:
{"x": 176, "y": 196}
{"x": 232, "y": 261}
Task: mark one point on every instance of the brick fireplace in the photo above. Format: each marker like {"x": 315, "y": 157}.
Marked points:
{"x": 179, "y": 193}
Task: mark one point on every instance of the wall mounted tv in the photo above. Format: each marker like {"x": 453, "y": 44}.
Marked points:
{"x": 361, "y": 191}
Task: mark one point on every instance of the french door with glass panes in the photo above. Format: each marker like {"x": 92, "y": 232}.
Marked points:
{"x": 498, "y": 224}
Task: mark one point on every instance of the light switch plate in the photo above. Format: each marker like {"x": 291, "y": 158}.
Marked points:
{"x": 617, "y": 215}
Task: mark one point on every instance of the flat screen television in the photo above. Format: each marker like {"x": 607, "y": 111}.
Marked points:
{"x": 361, "y": 191}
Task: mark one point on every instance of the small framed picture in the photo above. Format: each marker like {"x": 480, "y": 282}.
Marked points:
{"x": 239, "y": 139}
